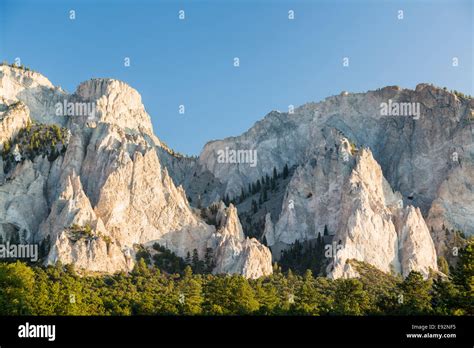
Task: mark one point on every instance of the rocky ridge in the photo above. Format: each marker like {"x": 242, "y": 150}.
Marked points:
{"x": 109, "y": 191}
{"x": 384, "y": 186}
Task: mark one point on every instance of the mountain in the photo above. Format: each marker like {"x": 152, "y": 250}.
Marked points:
{"x": 425, "y": 157}
{"x": 388, "y": 174}
{"x": 107, "y": 191}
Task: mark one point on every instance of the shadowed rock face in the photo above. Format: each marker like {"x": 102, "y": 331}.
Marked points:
{"x": 427, "y": 158}
{"x": 109, "y": 191}
{"x": 415, "y": 154}
{"x": 379, "y": 183}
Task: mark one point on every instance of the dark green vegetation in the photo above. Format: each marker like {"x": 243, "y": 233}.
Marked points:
{"x": 59, "y": 290}
{"x": 34, "y": 140}
{"x": 263, "y": 196}
{"x": 14, "y": 65}
{"x": 262, "y": 187}
{"x": 300, "y": 257}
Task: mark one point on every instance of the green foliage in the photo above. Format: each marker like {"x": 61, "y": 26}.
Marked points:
{"x": 463, "y": 279}
{"x": 353, "y": 148}
{"x": 143, "y": 255}
{"x": 379, "y": 286}
{"x": 14, "y": 65}
{"x": 35, "y": 140}
{"x": 415, "y": 295}
{"x": 229, "y": 295}
{"x": 461, "y": 95}
{"x": 167, "y": 260}
{"x": 16, "y": 285}
{"x": 350, "y": 298}
{"x": 58, "y": 290}
{"x": 7, "y": 146}
{"x": 300, "y": 257}
{"x": 77, "y": 232}
{"x": 445, "y": 296}
{"x": 443, "y": 265}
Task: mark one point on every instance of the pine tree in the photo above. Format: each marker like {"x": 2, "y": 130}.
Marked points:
{"x": 463, "y": 278}
{"x": 242, "y": 195}
{"x": 326, "y": 232}
{"x": 445, "y": 296}
{"x": 190, "y": 293}
{"x": 267, "y": 297}
{"x": 416, "y": 298}
{"x": 16, "y": 290}
{"x": 285, "y": 171}
{"x": 227, "y": 200}
{"x": 188, "y": 258}
{"x": 350, "y": 298}
{"x": 242, "y": 297}
{"x": 195, "y": 261}
{"x": 306, "y": 299}
{"x": 443, "y": 265}
{"x": 209, "y": 260}
{"x": 254, "y": 206}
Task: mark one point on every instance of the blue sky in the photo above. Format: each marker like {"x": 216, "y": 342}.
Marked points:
{"x": 282, "y": 61}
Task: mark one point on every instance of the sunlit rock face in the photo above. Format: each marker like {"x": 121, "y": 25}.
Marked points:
{"x": 426, "y": 156}
{"x": 383, "y": 185}
{"x": 414, "y": 151}
{"x": 367, "y": 220}
{"x": 375, "y": 228}
{"x": 34, "y": 90}
{"x": 108, "y": 192}
{"x": 237, "y": 254}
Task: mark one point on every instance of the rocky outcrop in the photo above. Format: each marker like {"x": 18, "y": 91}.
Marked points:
{"x": 117, "y": 103}
{"x": 313, "y": 196}
{"x": 23, "y": 205}
{"x": 374, "y": 227}
{"x": 34, "y": 90}
{"x": 415, "y": 151}
{"x": 13, "y": 117}
{"x": 452, "y": 209}
{"x": 234, "y": 252}
{"x": 94, "y": 251}
{"x": 353, "y": 201}
{"x": 378, "y": 183}
{"x": 108, "y": 192}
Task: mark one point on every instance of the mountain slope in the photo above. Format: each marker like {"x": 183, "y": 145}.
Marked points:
{"x": 108, "y": 192}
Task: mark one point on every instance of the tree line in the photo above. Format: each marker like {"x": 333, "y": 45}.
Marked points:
{"x": 147, "y": 290}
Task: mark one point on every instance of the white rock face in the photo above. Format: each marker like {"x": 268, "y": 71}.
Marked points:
{"x": 366, "y": 218}
{"x": 313, "y": 196}
{"x": 116, "y": 103}
{"x": 109, "y": 180}
{"x": 375, "y": 229}
{"x": 415, "y": 154}
{"x": 13, "y": 117}
{"x": 237, "y": 254}
{"x": 34, "y": 90}
{"x": 454, "y": 205}
{"x": 118, "y": 178}
{"x": 416, "y": 247}
{"x": 22, "y": 202}
{"x": 92, "y": 254}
